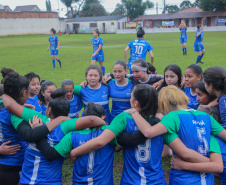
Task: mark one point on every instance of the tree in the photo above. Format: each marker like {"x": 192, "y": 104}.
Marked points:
{"x": 80, "y": 3}
{"x": 171, "y": 9}
{"x": 48, "y": 6}
{"x": 213, "y": 5}
{"x": 185, "y": 4}
{"x": 196, "y": 4}
{"x": 119, "y": 10}
{"x": 93, "y": 8}
{"x": 136, "y": 8}
{"x": 68, "y": 3}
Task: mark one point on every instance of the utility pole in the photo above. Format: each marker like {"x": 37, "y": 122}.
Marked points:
{"x": 164, "y": 6}
{"x": 157, "y": 7}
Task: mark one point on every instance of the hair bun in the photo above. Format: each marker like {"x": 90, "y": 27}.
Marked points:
{"x": 59, "y": 93}
{"x": 140, "y": 28}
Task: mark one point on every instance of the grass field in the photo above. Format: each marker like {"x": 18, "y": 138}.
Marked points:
{"x": 28, "y": 53}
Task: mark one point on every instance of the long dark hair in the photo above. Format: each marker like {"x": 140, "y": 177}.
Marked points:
{"x": 146, "y": 95}
{"x": 14, "y": 84}
{"x": 176, "y": 69}
{"x": 94, "y": 109}
{"x": 44, "y": 86}
{"x": 216, "y": 76}
{"x": 59, "y": 105}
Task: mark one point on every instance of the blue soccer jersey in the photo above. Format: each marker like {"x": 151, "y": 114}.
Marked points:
{"x": 75, "y": 106}
{"x": 194, "y": 128}
{"x": 34, "y": 101}
{"x": 120, "y": 96}
{"x": 8, "y": 132}
{"x": 223, "y": 152}
{"x": 200, "y": 37}
{"x": 53, "y": 42}
{"x": 193, "y": 103}
{"x": 43, "y": 107}
{"x": 94, "y": 168}
{"x": 142, "y": 163}
{"x": 36, "y": 169}
{"x": 98, "y": 96}
{"x": 198, "y": 46}
{"x": 138, "y": 49}
{"x": 183, "y": 32}
{"x": 222, "y": 109}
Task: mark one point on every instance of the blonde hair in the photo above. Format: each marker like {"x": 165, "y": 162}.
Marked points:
{"x": 170, "y": 97}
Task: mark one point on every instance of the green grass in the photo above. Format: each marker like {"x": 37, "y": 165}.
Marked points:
{"x": 28, "y": 53}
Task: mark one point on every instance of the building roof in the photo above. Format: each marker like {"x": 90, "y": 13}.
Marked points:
{"x": 27, "y": 8}
{"x": 188, "y": 10}
{"x": 181, "y": 15}
{"x": 100, "y": 18}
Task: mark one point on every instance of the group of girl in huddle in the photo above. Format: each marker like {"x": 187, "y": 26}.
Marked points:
{"x": 40, "y": 125}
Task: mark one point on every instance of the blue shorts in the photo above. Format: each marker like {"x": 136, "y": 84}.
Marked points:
{"x": 198, "y": 46}
{"x": 99, "y": 58}
{"x": 183, "y": 40}
{"x": 53, "y": 52}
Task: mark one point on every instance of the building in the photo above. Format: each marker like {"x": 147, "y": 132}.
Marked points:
{"x": 105, "y": 24}
{"x": 27, "y": 8}
{"x": 5, "y": 8}
{"x": 192, "y": 19}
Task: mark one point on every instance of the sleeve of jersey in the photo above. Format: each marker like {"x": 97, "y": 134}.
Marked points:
{"x": 101, "y": 42}
{"x": 65, "y": 145}
{"x": 68, "y": 126}
{"x": 15, "y": 120}
{"x": 222, "y": 109}
{"x": 150, "y": 48}
{"x": 29, "y": 114}
{"x": 57, "y": 39}
{"x": 172, "y": 122}
{"x": 118, "y": 125}
{"x": 215, "y": 126}
{"x": 214, "y": 145}
{"x": 129, "y": 45}
{"x": 168, "y": 137}
{"x": 77, "y": 90}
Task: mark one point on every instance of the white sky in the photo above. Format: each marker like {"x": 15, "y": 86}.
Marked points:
{"x": 108, "y": 4}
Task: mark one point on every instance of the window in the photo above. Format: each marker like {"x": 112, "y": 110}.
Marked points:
{"x": 112, "y": 23}
{"x": 93, "y": 25}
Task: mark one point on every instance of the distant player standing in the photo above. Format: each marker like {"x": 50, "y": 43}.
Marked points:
{"x": 138, "y": 49}
{"x": 183, "y": 37}
{"x": 98, "y": 54}
{"x": 198, "y": 44}
{"x": 54, "y": 47}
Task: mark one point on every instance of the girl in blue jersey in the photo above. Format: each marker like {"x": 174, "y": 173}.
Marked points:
{"x": 44, "y": 96}
{"x": 54, "y": 47}
{"x": 172, "y": 75}
{"x": 33, "y": 90}
{"x": 198, "y": 44}
{"x": 98, "y": 54}
{"x": 193, "y": 74}
{"x": 120, "y": 89}
{"x": 10, "y": 165}
{"x": 215, "y": 84}
{"x": 36, "y": 169}
{"x": 95, "y": 91}
{"x": 183, "y": 37}
{"x": 203, "y": 97}
{"x": 74, "y": 100}
{"x": 142, "y": 163}
{"x": 138, "y": 49}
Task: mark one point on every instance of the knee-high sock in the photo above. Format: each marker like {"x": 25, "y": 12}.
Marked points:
{"x": 53, "y": 61}
{"x": 201, "y": 56}
{"x": 198, "y": 58}
{"x": 103, "y": 70}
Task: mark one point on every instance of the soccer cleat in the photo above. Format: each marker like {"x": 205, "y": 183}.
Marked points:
{"x": 60, "y": 64}
{"x": 185, "y": 53}
{"x": 54, "y": 67}
{"x": 201, "y": 62}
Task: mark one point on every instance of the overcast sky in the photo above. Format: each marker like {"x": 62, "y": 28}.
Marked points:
{"x": 108, "y": 4}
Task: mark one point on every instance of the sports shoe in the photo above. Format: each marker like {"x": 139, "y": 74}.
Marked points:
{"x": 54, "y": 67}
{"x": 185, "y": 53}
{"x": 201, "y": 62}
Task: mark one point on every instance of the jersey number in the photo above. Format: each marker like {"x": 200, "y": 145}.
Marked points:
{"x": 143, "y": 151}
{"x": 202, "y": 149}
{"x": 90, "y": 162}
{"x": 139, "y": 49}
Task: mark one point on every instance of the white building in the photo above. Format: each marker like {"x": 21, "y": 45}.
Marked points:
{"x": 105, "y": 24}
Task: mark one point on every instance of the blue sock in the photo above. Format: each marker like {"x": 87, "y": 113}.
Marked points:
{"x": 53, "y": 61}
{"x": 58, "y": 60}
{"x": 103, "y": 70}
{"x": 198, "y": 58}
{"x": 185, "y": 49}
{"x": 201, "y": 56}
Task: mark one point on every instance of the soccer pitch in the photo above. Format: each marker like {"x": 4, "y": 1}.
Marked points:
{"x": 28, "y": 53}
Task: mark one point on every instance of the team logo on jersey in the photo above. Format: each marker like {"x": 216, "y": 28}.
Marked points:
{"x": 130, "y": 90}
{"x": 103, "y": 92}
